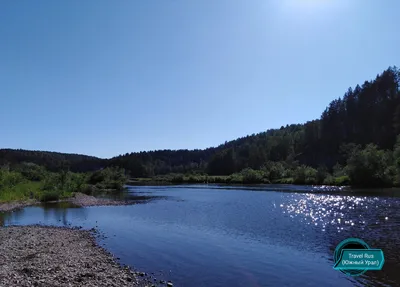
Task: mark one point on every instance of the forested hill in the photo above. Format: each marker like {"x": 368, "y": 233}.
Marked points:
{"x": 365, "y": 114}
{"x": 53, "y": 161}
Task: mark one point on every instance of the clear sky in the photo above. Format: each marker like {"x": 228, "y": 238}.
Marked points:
{"x": 109, "y": 77}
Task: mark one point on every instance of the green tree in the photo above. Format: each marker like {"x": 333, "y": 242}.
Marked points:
{"x": 369, "y": 167}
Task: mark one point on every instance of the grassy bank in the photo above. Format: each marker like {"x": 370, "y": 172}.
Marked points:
{"x": 32, "y": 190}
{"x": 32, "y": 182}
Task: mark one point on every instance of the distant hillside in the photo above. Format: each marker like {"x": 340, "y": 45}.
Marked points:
{"x": 369, "y": 113}
{"x": 53, "y": 161}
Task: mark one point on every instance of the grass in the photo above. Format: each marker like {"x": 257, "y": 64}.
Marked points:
{"x": 49, "y": 195}
{"x": 21, "y": 191}
{"x": 140, "y": 179}
{"x": 337, "y": 181}
{"x": 36, "y": 183}
{"x": 31, "y": 190}
{"x": 342, "y": 180}
{"x": 288, "y": 180}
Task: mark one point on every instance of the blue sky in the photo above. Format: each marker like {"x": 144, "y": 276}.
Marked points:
{"x": 109, "y": 77}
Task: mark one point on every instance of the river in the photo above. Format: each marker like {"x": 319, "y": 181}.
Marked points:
{"x": 210, "y": 235}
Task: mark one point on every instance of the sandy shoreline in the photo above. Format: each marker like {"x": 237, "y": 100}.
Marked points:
{"x": 58, "y": 256}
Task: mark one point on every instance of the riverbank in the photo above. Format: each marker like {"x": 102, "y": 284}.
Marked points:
{"x": 84, "y": 200}
{"x": 26, "y": 182}
{"x": 57, "y": 256}
{"x": 173, "y": 179}
{"x": 77, "y": 198}
{"x": 10, "y": 206}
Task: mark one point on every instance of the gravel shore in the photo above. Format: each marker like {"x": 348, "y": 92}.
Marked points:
{"x": 55, "y": 256}
{"x": 9, "y": 206}
{"x": 78, "y": 199}
{"x": 83, "y": 200}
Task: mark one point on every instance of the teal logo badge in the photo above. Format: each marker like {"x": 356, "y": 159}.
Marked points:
{"x": 354, "y": 257}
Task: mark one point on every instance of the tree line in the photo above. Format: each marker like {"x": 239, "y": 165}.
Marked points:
{"x": 354, "y": 140}
{"x": 52, "y": 161}
{"x": 355, "y": 137}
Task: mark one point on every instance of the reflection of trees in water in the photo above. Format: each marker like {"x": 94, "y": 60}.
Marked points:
{"x": 59, "y": 212}
{"x": 46, "y": 212}
{"x": 14, "y": 216}
{"x": 54, "y": 214}
{"x": 125, "y": 196}
{"x": 11, "y": 217}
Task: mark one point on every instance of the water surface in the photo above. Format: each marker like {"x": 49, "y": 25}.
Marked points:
{"x": 239, "y": 236}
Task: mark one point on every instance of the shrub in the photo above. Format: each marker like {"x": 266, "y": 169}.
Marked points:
{"x": 110, "y": 177}
{"x": 329, "y": 180}
{"x": 288, "y": 180}
{"x": 275, "y": 170}
{"x": 322, "y": 173}
{"x": 338, "y": 170}
{"x": 97, "y": 177}
{"x": 32, "y": 171}
{"x": 252, "y": 176}
{"x": 10, "y": 178}
{"x": 177, "y": 178}
{"x": 118, "y": 185}
{"x": 368, "y": 167}
{"x": 51, "y": 182}
{"x": 235, "y": 178}
{"x": 248, "y": 176}
{"x": 49, "y": 195}
{"x": 342, "y": 180}
{"x": 305, "y": 175}
{"x": 87, "y": 189}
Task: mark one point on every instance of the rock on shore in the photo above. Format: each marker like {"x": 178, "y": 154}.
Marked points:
{"x": 57, "y": 256}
